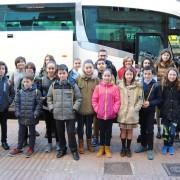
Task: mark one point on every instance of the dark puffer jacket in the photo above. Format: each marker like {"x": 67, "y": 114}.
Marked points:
{"x": 170, "y": 106}
{"x": 28, "y": 106}
{"x": 64, "y": 99}
{"x": 6, "y": 93}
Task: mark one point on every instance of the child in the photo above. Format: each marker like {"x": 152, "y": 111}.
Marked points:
{"x": 46, "y": 81}
{"x": 152, "y": 97}
{"x": 100, "y": 65}
{"x": 27, "y": 109}
{"x": 106, "y": 103}
{"x": 161, "y": 66}
{"x": 74, "y": 73}
{"x": 20, "y": 63}
{"x": 145, "y": 62}
{"x": 131, "y": 102}
{"x": 170, "y": 109}
{"x": 47, "y": 58}
{"x": 6, "y": 98}
{"x": 127, "y": 63}
{"x": 60, "y": 101}
{"x": 30, "y": 68}
{"x": 86, "y": 82}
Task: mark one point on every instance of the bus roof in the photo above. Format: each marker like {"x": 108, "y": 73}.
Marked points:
{"x": 172, "y": 7}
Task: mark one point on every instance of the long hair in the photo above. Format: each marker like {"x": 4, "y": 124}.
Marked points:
{"x": 134, "y": 74}
{"x": 166, "y": 83}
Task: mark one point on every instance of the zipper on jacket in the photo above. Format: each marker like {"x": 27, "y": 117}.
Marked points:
{"x": 106, "y": 103}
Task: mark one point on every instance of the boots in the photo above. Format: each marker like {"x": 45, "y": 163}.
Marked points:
{"x": 100, "y": 151}
{"x": 89, "y": 146}
{"x": 108, "y": 152}
{"x": 81, "y": 146}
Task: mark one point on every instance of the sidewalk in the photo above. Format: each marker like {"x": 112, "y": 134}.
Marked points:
{"x": 46, "y": 166}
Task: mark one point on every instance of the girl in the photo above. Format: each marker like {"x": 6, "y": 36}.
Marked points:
{"x": 86, "y": 82}
{"x": 127, "y": 63}
{"x": 161, "y": 66}
{"x": 106, "y": 103}
{"x": 47, "y": 58}
{"x": 48, "y": 78}
{"x": 131, "y": 102}
{"x": 74, "y": 72}
{"x": 170, "y": 108}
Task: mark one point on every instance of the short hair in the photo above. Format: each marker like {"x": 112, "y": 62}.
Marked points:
{"x": 126, "y": 58}
{"x": 76, "y": 59}
{"x": 32, "y": 65}
{"x": 18, "y": 59}
{"x": 149, "y": 68}
{"x": 4, "y": 64}
{"x": 62, "y": 67}
{"x": 28, "y": 76}
{"x": 102, "y": 50}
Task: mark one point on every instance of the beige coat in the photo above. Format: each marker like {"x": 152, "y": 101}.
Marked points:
{"x": 131, "y": 102}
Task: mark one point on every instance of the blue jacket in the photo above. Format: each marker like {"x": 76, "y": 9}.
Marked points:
{"x": 6, "y": 93}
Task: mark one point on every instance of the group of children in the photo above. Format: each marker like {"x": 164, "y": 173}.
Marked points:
{"x": 94, "y": 98}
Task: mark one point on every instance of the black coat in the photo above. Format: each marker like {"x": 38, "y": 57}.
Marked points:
{"x": 170, "y": 105}
{"x": 6, "y": 93}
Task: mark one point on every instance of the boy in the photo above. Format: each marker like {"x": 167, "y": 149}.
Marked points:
{"x": 152, "y": 98}
{"x": 6, "y": 98}
{"x": 27, "y": 109}
{"x": 60, "y": 101}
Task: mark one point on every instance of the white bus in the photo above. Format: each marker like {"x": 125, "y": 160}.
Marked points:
{"x": 123, "y": 27}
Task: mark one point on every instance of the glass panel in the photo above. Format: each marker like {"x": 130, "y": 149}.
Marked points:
{"x": 117, "y": 27}
{"x": 37, "y": 17}
{"x": 150, "y": 46}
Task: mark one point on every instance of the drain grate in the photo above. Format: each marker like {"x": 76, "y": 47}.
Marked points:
{"x": 117, "y": 168}
{"x": 172, "y": 169}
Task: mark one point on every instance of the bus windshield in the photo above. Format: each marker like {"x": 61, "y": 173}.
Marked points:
{"x": 33, "y": 17}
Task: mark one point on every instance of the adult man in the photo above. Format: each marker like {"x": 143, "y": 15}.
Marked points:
{"x": 102, "y": 54}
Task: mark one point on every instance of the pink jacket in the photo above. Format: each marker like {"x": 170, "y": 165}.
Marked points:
{"x": 106, "y": 100}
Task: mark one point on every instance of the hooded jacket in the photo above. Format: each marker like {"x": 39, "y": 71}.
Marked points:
{"x": 106, "y": 100}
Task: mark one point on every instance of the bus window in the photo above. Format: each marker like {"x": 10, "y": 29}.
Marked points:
{"x": 34, "y": 17}
{"x": 117, "y": 27}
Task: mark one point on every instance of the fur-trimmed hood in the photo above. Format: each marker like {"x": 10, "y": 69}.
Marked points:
{"x": 93, "y": 76}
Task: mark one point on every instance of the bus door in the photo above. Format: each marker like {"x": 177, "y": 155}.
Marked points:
{"x": 148, "y": 45}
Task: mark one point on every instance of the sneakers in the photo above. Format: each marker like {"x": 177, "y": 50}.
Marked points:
{"x": 150, "y": 155}
{"x": 171, "y": 150}
{"x": 48, "y": 148}
{"x": 29, "y": 152}
{"x": 101, "y": 151}
{"x": 164, "y": 150}
{"x": 94, "y": 142}
{"x": 108, "y": 152}
{"x": 57, "y": 146}
{"x": 5, "y": 145}
{"x": 75, "y": 156}
{"x": 15, "y": 152}
{"x": 140, "y": 149}
{"x": 61, "y": 153}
